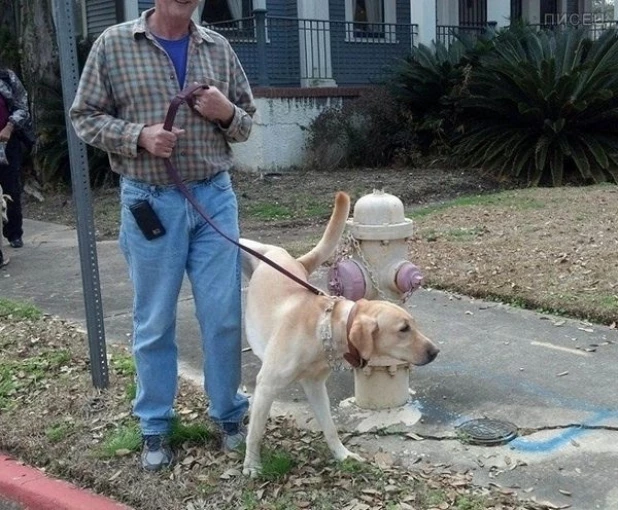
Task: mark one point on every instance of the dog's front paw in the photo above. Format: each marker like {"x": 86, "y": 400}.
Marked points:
{"x": 347, "y": 454}
{"x": 252, "y": 470}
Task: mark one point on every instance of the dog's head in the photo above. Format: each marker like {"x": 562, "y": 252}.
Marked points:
{"x": 3, "y": 205}
{"x": 380, "y": 328}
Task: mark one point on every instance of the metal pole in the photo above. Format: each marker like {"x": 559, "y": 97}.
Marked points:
{"x": 69, "y": 67}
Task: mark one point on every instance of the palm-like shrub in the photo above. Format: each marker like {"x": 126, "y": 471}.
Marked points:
{"x": 543, "y": 106}
{"x": 424, "y": 83}
{"x": 428, "y": 82}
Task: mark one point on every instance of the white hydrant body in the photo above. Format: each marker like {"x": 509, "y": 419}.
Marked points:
{"x": 378, "y": 269}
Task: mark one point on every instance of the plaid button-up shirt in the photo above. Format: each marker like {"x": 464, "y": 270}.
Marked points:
{"x": 128, "y": 82}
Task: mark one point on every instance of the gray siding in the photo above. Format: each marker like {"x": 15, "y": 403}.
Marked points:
{"x": 359, "y": 63}
{"x": 283, "y": 50}
{"x": 100, "y": 14}
{"x": 283, "y": 61}
{"x": 144, "y": 5}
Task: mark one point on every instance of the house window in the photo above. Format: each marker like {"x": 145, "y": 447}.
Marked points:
{"x": 231, "y": 17}
{"x": 473, "y": 13}
{"x": 370, "y": 20}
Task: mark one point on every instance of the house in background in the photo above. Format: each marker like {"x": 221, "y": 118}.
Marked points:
{"x": 293, "y": 43}
{"x": 302, "y": 56}
{"x": 326, "y": 43}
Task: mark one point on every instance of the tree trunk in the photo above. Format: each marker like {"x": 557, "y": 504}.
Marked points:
{"x": 9, "y": 49}
{"x": 39, "y": 51}
{"x": 8, "y": 16}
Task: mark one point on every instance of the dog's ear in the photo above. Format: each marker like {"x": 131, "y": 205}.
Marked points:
{"x": 363, "y": 334}
{"x": 7, "y": 197}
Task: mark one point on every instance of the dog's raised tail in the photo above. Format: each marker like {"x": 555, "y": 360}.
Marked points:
{"x": 334, "y": 230}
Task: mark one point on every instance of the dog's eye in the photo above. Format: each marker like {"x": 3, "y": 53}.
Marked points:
{"x": 405, "y": 328}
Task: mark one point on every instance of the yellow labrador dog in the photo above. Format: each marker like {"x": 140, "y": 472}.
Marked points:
{"x": 298, "y": 334}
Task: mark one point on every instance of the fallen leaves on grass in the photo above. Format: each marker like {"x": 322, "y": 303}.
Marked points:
{"x": 48, "y": 393}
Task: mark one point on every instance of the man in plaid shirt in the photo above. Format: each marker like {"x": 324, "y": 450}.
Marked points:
{"x": 133, "y": 72}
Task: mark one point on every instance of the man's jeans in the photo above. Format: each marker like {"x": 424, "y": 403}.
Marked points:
{"x": 157, "y": 268}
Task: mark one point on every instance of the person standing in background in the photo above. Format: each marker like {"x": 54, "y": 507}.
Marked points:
{"x": 14, "y": 121}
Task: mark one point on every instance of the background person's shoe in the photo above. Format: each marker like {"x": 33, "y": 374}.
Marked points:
{"x": 4, "y": 260}
{"x": 156, "y": 453}
{"x": 17, "y": 243}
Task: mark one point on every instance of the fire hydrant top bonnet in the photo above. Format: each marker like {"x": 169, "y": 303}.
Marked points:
{"x": 380, "y": 216}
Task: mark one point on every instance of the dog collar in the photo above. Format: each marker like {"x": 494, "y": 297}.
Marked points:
{"x": 353, "y": 356}
{"x": 325, "y": 333}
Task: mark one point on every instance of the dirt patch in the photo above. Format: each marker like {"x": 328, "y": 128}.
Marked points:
{"x": 553, "y": 249}
{"x": 286, "y": 205}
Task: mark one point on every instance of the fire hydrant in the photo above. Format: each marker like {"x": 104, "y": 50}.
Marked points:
{"x": 378, "y": 269}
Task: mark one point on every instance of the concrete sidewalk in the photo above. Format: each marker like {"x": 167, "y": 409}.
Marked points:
{"x": 553, "y": 378}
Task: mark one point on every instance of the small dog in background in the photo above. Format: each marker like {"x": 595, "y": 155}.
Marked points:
{"x": 4, "y": 260}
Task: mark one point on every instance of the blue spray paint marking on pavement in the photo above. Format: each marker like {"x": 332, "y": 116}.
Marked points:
{"x": 523, "y": 444}
{"x": 561, "y": 438}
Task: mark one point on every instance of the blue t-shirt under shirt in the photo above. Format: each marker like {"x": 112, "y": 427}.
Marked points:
{"x": 177, "y": 51}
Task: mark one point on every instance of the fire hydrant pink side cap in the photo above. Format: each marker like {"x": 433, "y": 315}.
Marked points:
{"x": 346, "y": 279}
{"x": 408, "y": 278}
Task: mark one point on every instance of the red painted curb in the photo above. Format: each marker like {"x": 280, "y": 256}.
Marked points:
{"x": 34, "y": 489}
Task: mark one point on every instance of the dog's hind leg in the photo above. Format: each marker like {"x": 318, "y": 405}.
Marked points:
{"x": 315, "y": 389}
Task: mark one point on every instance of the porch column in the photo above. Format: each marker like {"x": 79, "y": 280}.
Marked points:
{"x": 500, "y": 12}
{"x": 315, "y": 49}
{"x": 423, "y": 14}
{"x": 131, "y": 10}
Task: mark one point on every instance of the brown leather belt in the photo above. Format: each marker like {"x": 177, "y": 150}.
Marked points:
{"x": 186, "y": 96}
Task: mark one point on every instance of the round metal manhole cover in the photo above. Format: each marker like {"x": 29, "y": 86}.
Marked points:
{"x": 486, "y": 432}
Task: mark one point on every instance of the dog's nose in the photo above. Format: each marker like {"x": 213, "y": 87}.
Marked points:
{"x": 433, "y": 353}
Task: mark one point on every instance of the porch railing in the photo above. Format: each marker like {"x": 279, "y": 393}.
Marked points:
{"x": 284, "y": 51}
{"x": 447, "y": 34}
{"x": 594, "y": 29}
